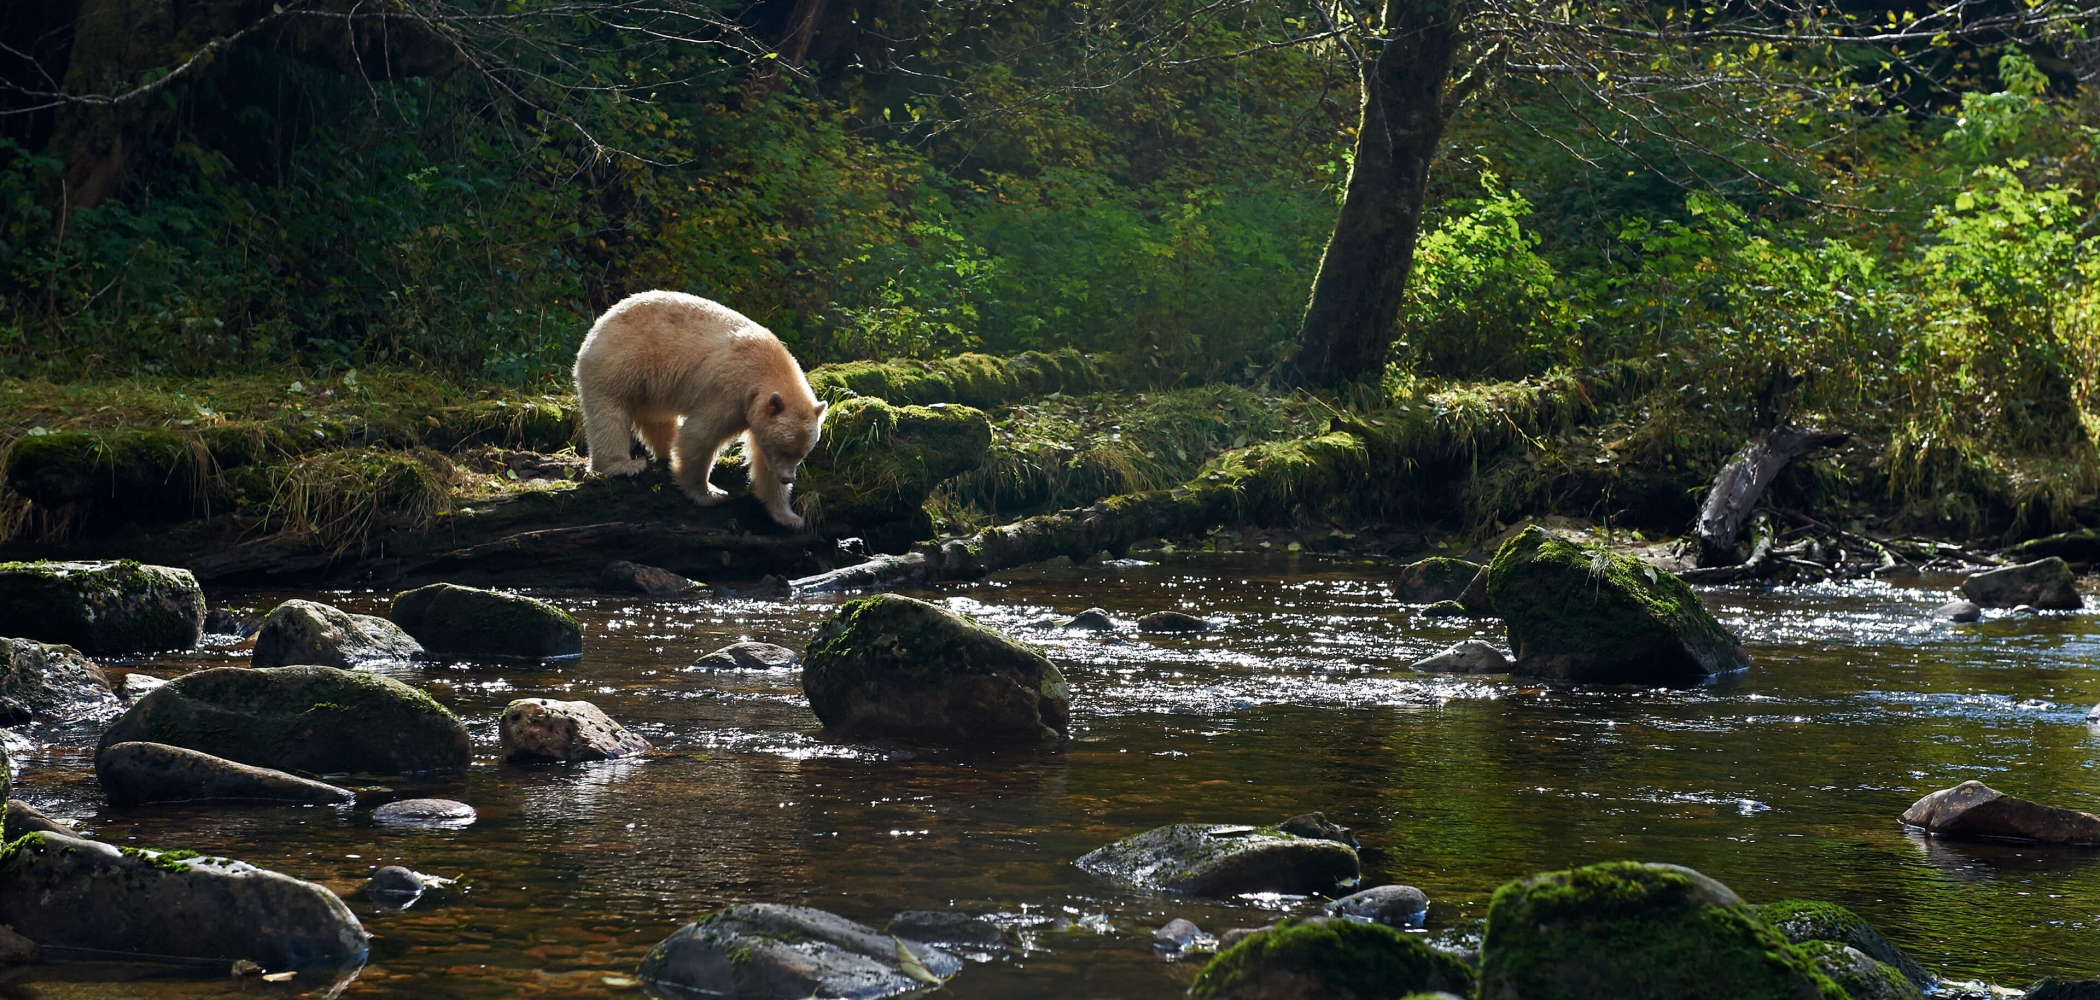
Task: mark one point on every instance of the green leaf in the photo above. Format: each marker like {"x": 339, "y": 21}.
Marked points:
{"x": 912, "y": 966}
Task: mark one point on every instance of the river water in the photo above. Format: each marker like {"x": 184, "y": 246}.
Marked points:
{"x": 1785, "y": 782}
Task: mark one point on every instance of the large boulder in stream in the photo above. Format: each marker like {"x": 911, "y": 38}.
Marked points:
{"x": 65, "y": 892}
{"x": 1203, "y": 859}
{"x": 319, "y": 720}
{"x": 890, "y": 666}
{"x": 471, "y": 623}
{"x": 1973, "y": 810}
{"x": 1636, "y": 931}
{"x": 297, "y": 632}
{"x": 1803, "y": 921}
{"x": 1580, "y": 613}
{"x": 51, "y": 681}
{"x": 2043, "y": 583}
{"x": 543, "y": 729}
{"x": 1437, "y": 578}
{"x": 101, "y": 607}
{"x": 141, "y": 773}
{"x": 1324, "y": 959}
{"x": 765, "y": 951}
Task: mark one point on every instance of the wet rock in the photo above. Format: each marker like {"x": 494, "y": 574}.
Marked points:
{"x": 1580, "y": 613}
{"x": 1174, "y": 936}
{"x": 1325, "y": 959}
{"x": 1958, "y": 611}
{"x": 1317, "y": 826}
{"x": 83, "y": 894}
{"x": 50, "y": 681}
{"x": 1802, "y": 921}
{"x": 1861, "y": 977}
{"x": 1173, "y": 621}
{"x": 748, "y": 656}
{"x": 1634, "y": 932}
{"x": 2044, "y": 583}
{"x": 765, "y": 951}
{"x": 1469, "y": 657}
{"x": 16, "y": 949}
{"x": 319, "y": 720}
{"x": 1235, "y": 935}
{"x": 1973, "y": 810}
{"x": 2093, "y": 714}
{"x": 1446, "y": 609}
{"x": 468, "y": 622}
{"x": 101, "y": 607}
{"x": 949, "y": 929}
{"x": 1217, "y": 860}
{"x": 140, "y": 773}
{"x": 623, "y": 577}
{"x": 545, "y": 729}
{"x": 1437, "y": 578}
{"x": 137, "y": 685}
{"x": 300, "y": 632}
{"x": 1476, "y": 600}
{"x": 2074, "y": 546}
{"x": 21, "y": 818}
{"x": 2052, "y": 988}
{"x": 1400, "y": 906}
{"x": 890, "y": 666}
{"x": 225, "y": 621}
{"x": 394, "y": 880}
{"x": 443, "y": 814}
{"x": 1090, "y": 620}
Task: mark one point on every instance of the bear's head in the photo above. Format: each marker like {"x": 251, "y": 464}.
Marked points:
{"x": 786, "y": 430}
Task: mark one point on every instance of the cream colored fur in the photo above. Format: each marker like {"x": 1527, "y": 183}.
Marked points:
{"x": 689, "y": 375}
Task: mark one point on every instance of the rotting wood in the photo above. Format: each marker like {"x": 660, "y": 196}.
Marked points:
{"x": 1742, "y": 483}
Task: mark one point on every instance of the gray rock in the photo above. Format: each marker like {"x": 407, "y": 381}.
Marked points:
{"x": 21, "y": 818}
{"x": 1218, "y": 860}
{"x": 1446, "y": 609}
{"x": 394, "y": 880}
{"x": 1392, "y": 905}
{"x": 1176, "y": 935}
{"x": 225, "y": 621}
{"x": 1437, "y": 578}
{"x": 545, "y": 729}
{"x": 1469, "y": 657}
{"x": 765, "y": 951}
{"x": 1235, "y": 935}
{"x": 319, "y": 720}
{"x": 748, "y": 656}
{"x": 16, "y": 949}
{"x": 2093, "y": 714}
{"x": 1173, "y": 621}
{"x": 1476, "y": 601}
{"x": 101, "y": 607}
{"x": 890, "y": 666}
{"x": 472, "y": 623}
{"x": 1973, "y": 810}
{"x": 1803, "y": 921}
{"x": 623, "y": 577}
{"x": 82, "y": 894}
{"x": 441, "y": 814}
{"x": 50, "y": 681}
{"x": 141, "y": 773}
{"x": 2053, "y": 988}
{"x": 1317, "y": 826}
{"x": 299, "y": 632}
{"x": 1861, "y": 977}
{"x": 1958, "y": 611}
{"x": 1090, "y": 620}
{"x": 949, "y": 929}
{"x": 137, "y": 685}
{"x": 2044, "y": 583}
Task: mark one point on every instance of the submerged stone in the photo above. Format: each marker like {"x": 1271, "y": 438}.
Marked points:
{"x": 101, "y": 607}
{"x": 1973, "y": 810}
{"x": 50, "y": 681}
{"x": 748, "y": 656}
{"x": 1961, "y": 611}
{"x": 1437, "y": 578}
{"x": 766, "y": 951}
{"x": 1317, "y": 826}
{"x": 545, "y": 729}
{"x": 1392, "y": 905}
{"x": 320, "y": 720}
{"x": 1580, "y": 613}
{"x": 623, "y": 577}
{"x": 1173, "y": 621}
{"x": 446, "y": 814}
{"x": 2044, "y": 583}
{"x": 1858, "y": 974}
{"x": 1329, "y": 960}
{"x": 1218, "y": 860}
{"x": 895, "y": 667}
{"x": 298, "y": 632}
{"x": 1469, "y": 657}
{"x": 1802, "y": 921}
{"x": 21, "y": 818}
{"x": 1174, "y": 935}
{"x": 1446, "y": 609}
{"x": 78, "y": 893}
{"x": 1090, "y": 620}
{"x": 140, "y": 773}
{"x": 1637, "y": 932}
{"x": 949, "y": 929}
{"x": 468, "y": 622}
{"x": 2052, "y": 988}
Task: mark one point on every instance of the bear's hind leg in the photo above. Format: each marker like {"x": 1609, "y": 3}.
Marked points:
{"x": 609, "y": 433}
{"x": 700, "y": 443}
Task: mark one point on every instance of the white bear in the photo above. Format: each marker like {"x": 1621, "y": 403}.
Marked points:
{"x": 690, "y": 375}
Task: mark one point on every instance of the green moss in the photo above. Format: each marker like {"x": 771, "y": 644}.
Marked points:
{"x": 1347, "y": 960}
{"x": 451, "y": 620}
{"x": 971, "y": 379}
{"x": 879, "y": 462}
{"x": 101, "y": 607}
{"x": 1803, "y": 921}
{"x": 892, "y": 666}
{"x": 1860, "y": 976}
{"x": 167, "y": 861}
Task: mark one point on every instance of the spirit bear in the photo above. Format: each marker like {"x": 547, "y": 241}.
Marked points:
{"x": 689, "y": 375}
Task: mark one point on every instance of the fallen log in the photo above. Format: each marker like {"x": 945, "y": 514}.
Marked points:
{"x": 1742, "y": 483}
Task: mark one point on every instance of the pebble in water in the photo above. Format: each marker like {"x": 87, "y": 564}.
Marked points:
{"x": 443, "y": 814}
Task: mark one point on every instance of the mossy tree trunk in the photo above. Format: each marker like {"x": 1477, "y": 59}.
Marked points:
{"x": 1348, "y": 327}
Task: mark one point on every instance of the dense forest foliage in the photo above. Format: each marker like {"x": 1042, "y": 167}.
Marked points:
{"x": 1750, "y": 232}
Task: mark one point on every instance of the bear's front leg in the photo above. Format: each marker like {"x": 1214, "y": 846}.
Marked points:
{"x": 700, "y": 443}
{"x": 767, "y": 487}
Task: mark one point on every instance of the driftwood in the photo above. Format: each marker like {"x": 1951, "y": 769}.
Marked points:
{"x": 1742, "y": 483}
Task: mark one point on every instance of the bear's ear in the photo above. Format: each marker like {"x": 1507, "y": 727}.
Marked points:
{"x": 775, "y": 405}
{"x": 822, "y": 407}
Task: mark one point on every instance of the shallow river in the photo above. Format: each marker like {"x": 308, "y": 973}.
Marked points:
{"x": 1784, "y": 783}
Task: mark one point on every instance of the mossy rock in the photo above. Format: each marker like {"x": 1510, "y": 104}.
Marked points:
{"x": 471, "y": 623}
{"x": 1329, "y": 960}
{"x": 144, "y": 475}
{"x": 1803, "y": 921}
{"x": 157, "y": 905}
{"x": 1580, "y": 613}
{"x": 1637, "y": 932}
{"x": 890, "y": 666}
{"x": 297, "y": 632}
{"x": 1217, "y": 860}
{"x": 766, "y": 951}
{"x": 1437, "y": 578}
{"x": 879, "y": 462}
{"x": 317, "y": 720}
{"x": 52, "y": 681}
{"x": 2075, "y": 546}
{"x": 1860, "y": 976}
{"x": 979, "y": 380}
{"x": 101, "y": 607}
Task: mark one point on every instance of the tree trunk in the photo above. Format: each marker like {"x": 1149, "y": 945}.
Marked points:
{"x": 1349, "y": 323}
{"x": 1742, "y": 482}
